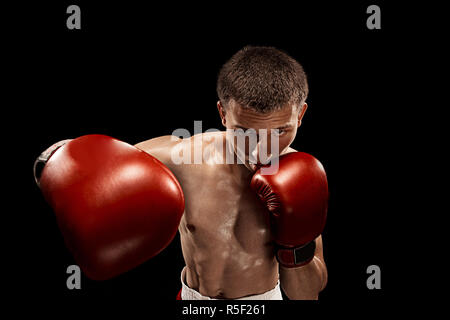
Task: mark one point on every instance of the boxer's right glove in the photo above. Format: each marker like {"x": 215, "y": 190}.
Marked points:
{"x": 116, "y": 205}
{"x": 297, "y": 198}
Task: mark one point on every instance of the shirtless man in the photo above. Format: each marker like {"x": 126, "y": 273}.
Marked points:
{"x": 226, "y": 241}
{"x": 229, "y": 243}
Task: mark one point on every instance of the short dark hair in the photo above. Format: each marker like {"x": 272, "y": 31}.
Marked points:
{"x": 263, "y": 79}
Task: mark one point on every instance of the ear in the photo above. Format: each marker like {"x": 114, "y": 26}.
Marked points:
{"x": 222, "y": 112}
{"x": 301, "y": 114}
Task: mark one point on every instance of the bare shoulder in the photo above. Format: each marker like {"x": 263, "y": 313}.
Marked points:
{"x": 173, "y": 151}
{"x": 290, "y": 150}
{"x": 157, "y": 143}
{"x": 160, "y": 148}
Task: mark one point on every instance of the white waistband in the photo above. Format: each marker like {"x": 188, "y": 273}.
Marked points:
{"x": 191, "y": 294}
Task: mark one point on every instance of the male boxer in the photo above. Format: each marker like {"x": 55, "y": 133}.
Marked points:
{"x": 243, "y": 234}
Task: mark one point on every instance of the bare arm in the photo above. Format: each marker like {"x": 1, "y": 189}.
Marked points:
{"x": 305, "y": 283}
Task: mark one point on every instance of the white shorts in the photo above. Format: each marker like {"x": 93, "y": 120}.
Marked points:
{"x": 191, "y": 294}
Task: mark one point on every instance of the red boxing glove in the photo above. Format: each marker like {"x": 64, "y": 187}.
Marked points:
{"x": 116, "y": 205}
{"x": 297, "y": 197}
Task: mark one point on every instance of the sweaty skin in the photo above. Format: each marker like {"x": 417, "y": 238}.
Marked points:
{"x": 225, "y": 236}
{"x": 225, "y": 239}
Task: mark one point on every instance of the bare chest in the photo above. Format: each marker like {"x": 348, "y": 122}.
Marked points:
{"x": 221, "y": 209}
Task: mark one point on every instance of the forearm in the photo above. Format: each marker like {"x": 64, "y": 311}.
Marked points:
{"x": 305, "y": 282}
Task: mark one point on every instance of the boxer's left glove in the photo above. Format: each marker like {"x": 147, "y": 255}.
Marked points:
{"x": 116, "y": 205}
{"x": 297, "y": 198}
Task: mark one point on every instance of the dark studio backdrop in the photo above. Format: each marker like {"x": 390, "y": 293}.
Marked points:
{"x": 140, "y": 71}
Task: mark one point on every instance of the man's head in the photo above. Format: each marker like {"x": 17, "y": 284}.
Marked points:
{"x": 263, "y": 88}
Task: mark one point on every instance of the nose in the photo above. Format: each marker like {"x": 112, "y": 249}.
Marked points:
{"x": 261, "y": 153}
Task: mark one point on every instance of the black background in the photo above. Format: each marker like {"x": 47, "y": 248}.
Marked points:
{"x": 139, "y": 71}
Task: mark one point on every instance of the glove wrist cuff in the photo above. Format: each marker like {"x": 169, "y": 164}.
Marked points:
{"x": 41, "y": 161}
{"x": 297, "y": 256}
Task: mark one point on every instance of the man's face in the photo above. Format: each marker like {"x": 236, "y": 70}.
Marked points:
{"x": 286, "y": 122}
